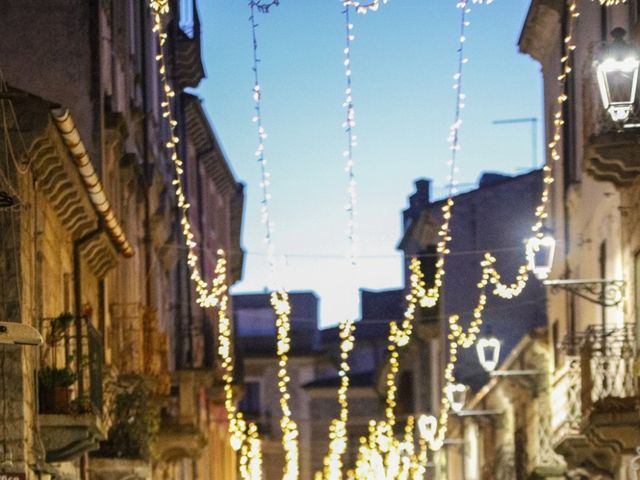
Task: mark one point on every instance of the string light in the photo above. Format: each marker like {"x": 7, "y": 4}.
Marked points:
{"x": 363, "y": 7}
{"x": 338, "y": 438}
{"x": 243, "y": 435}
{"x": 282, "y": 308}
{"x": 349, "y": 125}
{"x": 265, "y": 176}
{"x": 205, "y": 297}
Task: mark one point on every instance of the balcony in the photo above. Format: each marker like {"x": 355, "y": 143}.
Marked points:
{"x": 141, "y": 347}
{"x": 614, "y": 157}
{"x": 598, "y": 389}
{"x": 70, "y": 388}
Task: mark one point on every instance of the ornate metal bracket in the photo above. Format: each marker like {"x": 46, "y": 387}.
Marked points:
{"x": 601, "y": 291}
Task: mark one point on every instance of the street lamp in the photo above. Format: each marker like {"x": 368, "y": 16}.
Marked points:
{"x": 540, "y": 250}
{"x": 456, "y": 394}
{"x": 617, "y": 73}
{"x": 488, "y": 349}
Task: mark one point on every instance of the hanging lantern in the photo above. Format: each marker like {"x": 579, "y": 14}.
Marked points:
{"x": 617, "y": 74}
{"x": 456, "y": 394}
{"x": 488, "y": 353}
{"x": 427, "y": 426}
{"x": 540, "y": 252}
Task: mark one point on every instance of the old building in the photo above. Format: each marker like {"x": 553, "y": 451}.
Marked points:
{"x": 256, "y": 344}
{"x": 494, "y": 217}
{"x": 367, "y": 363}
{"x": 96, "y": 260}
{"x": 593, "y": 315}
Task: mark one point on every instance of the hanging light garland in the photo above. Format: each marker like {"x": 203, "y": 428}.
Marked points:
{"x": 205, "y": 297}
{"x": 338, "y": 438}
{"x": 457, "y": 336}
{"x": 243, "y": 435}
{"x": 364, "y": 7}
{"x": 349, "y": 125}
{"x": 279, "y": 297}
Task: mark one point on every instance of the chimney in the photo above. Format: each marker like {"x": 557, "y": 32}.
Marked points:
{"x": 417, "y": 201}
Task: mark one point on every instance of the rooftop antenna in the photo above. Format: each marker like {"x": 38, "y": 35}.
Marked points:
{"x": 534, "y": 134}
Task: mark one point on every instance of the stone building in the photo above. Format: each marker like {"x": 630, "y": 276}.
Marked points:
{"x": 256, "y": 343}
{"x": 126, "y": 383}
{"x": 593, "y": 318}
{"x": 494, "y": 217}
{"x": 367, "y": 363}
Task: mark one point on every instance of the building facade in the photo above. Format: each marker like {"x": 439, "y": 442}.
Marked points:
{"x": 494, "y": 217}
{"x": 126, "y": 383}
{"x": 593, "y": 321}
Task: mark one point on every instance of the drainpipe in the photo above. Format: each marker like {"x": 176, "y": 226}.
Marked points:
{"x": 77, "y": 294}
{"x": 145, "y": 154}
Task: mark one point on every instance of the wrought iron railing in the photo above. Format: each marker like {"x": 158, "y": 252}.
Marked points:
{"x": 607, "y": 358}
{"x": 598, "y": 364}
{"x": 70, "y": 376}
{"x": 566, "y": 399}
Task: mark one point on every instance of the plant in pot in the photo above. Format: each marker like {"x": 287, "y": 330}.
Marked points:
{"x": 54, "y": 389}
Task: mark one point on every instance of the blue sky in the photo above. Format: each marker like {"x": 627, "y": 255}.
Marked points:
{"x": 403, "y": 60}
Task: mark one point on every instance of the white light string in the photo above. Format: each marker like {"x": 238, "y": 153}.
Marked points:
{"x": 242, "y": 435}
{"x": 265, "y": 175}
{"x": 349, "y": 125}
{"x": 279, "y": 297}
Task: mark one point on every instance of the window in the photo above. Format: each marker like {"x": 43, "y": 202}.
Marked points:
{"x": 250, "y": 403}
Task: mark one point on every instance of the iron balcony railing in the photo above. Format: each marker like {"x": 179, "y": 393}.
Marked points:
{"x": 598, "y": 364}
{"x": 70, "y": 378}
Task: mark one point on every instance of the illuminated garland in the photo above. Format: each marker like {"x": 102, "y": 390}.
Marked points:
{"x": 457, "y": 336}
{"x": 338, "y": 438}
{"x": 348, "y": 125}
{"x": 243, "y": 436}
{"x": 282, "y": 308}
{"x": 363, "y": 7}
{"x": 265, "y": 176}
{"x": 279, "y": 298}
{"x": 206, "y": 297}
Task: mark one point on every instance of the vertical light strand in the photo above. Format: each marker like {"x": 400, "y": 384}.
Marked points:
{"x": 349, "y": 125}
{"x": 205, "y": 297}
{"x": 282, "y": 308}
{"x": 279, "y": 297}
{"x": 338, "y": 438}
{"x": 243, "y": 435}
{"x": 454, "y": 130}
{"x": 265, "y": 176}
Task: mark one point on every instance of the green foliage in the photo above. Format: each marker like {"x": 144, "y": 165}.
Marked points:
{"x": 136, "y": 424}
{"x": 51, "y": 377}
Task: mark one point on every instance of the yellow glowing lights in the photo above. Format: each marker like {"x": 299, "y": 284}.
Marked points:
{"x": 243, "y": 435}
{"x": 381, "y": 456}
{"x": 282, "y": 308}
{"x": 338, "y": 438}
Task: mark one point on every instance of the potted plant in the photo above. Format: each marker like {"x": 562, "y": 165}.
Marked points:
{"x": 54, "y": 392}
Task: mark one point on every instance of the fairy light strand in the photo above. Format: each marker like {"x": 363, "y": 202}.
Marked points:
{"x": 338, "y": 437}
{"x": 349, "y": 125}
{"x": 364, "y": 7}
{"x": 265, "y": 176}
